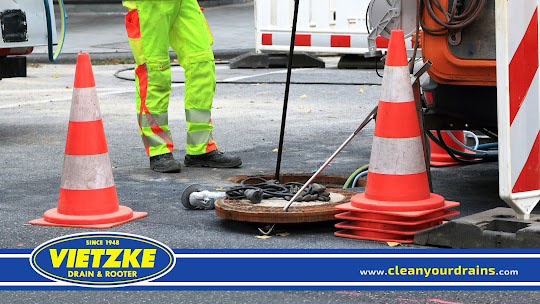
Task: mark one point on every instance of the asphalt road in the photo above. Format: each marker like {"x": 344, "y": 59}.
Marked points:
{"x": 287, "y": 297}
{"x": 33, "y": 127}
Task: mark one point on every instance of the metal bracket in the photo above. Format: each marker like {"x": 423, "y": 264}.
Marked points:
{"x": 418, "y": 101}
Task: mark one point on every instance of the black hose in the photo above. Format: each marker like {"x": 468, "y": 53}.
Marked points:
{"x": 273, "y": 189}
{"x": 443, "y": 145}
{"x": 117, "y": 75}
{"x": 455, "y": 18}
{"x": 465, "y": 158}
{"x": 377, "y": 68}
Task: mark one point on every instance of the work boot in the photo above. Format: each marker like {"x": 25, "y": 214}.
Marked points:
{"x": 165, "y": 163}
{"x": 214, "y": 159}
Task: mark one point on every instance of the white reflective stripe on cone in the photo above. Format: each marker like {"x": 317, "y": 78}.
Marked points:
{"x": 397, "y": 156}
{"x": 84, "y": 105}
{"x": 87, "y": 172}
{"x": 396, "y": 85}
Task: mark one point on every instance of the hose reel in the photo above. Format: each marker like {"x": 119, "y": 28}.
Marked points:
{"x": 384, "y": 16}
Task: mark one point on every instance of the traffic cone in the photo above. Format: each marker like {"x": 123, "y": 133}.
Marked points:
{"x": 397, "y": 203}
{"x": 439, "y": 157}
{"x": 87, "y": 192}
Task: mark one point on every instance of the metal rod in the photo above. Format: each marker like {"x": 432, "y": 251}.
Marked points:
{"x": 287, "y": 87}
{"x": 329, "y": 160}
{"x": 420, "y": 113}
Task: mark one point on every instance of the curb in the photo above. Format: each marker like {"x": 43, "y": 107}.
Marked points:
{"x": 71, "y": 58}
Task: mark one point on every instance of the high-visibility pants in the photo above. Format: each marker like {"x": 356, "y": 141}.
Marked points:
{"x": 152, "y": 27}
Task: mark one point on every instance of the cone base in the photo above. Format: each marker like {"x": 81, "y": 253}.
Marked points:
{"x": 350, "y": 216}
{"x": 360, "y": 201}
{"x": 407, "y": 214}
{"x": 372, "y": 237}
{"x": 390, "y": 226}
{"x": 105, "y": 221}
{"x": 385, "y": 228}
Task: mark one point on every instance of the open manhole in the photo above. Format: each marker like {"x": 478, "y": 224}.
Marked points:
{"x": 271, "y": 210}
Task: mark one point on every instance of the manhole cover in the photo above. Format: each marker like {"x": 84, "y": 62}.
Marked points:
{"x": 271, "y": 211}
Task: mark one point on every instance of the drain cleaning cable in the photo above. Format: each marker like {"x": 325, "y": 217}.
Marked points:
{"x": 369, "y": 118}
{"x": 54, "y": 55}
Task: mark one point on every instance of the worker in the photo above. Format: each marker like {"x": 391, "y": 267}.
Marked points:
{"x": 153, "y": 26}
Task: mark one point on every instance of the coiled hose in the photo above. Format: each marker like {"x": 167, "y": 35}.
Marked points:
{"x": 455, "y": 18}
{"x": 273, "y": 189}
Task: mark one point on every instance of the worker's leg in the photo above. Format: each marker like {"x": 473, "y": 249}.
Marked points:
{"x": 148, "y": 32}
{"x": 191, "y": 40}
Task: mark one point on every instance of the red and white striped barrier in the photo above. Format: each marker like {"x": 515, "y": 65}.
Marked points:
{"x": 324, "y": 26}
{"x": 518, "y": 85}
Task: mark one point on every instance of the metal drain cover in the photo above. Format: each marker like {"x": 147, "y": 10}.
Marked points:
{"x": 271, "y": 211}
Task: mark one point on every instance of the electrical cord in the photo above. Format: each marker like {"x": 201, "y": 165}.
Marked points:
{"x": 117, "y": 75}
{"x": 352, "y": 177}
{"x": 54, "y": 55}
{"x": 377, "y": 68}
{"x": 357, "y": 178}
{"x": 368, "y": 27}
{"x": 474, "y": 136}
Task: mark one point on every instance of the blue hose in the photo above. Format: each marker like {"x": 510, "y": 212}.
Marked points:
{"x": 488, "y": 146}
{"x": 54, "y": 55}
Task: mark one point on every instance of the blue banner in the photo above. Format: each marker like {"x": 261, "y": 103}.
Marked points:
{"x": 115, "y": 260}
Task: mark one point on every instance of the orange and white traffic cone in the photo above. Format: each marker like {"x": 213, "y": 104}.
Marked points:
{"x": 439, "y": 157}
{"x": 397, "y": 203}
{"x": 87, "y": 192}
